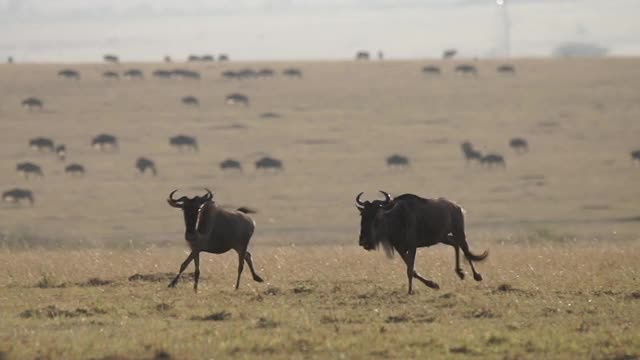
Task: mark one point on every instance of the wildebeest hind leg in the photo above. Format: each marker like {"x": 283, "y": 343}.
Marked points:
{"x": 196, "y": 274}
{"x": 241, "y": 257}
{"x": 247, "y": 258}
{"x": 427, "y": 282}
{"x": 450, "y": 240}
{"x": 182, "y": 267}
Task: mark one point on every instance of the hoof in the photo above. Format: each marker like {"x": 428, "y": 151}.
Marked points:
{"x": 432, "y": 285}
{"x": 257, "y": 278}
{"x": 172, "y": 285}
{"x": 477, "y": 277}
{"x": 410, "y": 292}
{"x": 460, "y": 274}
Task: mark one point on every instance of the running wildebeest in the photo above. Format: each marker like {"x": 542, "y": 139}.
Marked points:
{"x": 41, "y": 144}
{"x": 184, "y": 142}
{"x": 362, "y": 55}
{"x": 162, "y": 74}
{"x": 143, "y": 164}
{"x": 190, "y": 100}
{"x": 61, "y": 152}
{"x": 449, "y": 53}
{"x": 409, "y": 222}
{"x": 15, "y": 195}
{"x": 185, "y": 74}
{"x": 27, "y": 169}
{"x": 493, "y": 160}
{"x": 74, "y": 169}
{"x": 103, "y": 142}
{"x": 133, "y": 74}
{"x": 470, "y": 153}
{"x": 230, "y": 164}
{"x": 269, "y": 163}
{"x": 506, "y": 69}
{"x": 465, "y": 69}
{"x": 233, "y": 99}
{"x": 32, "y": 103}
{"x": 69, "y": 74}
{"x": 110, "y": 75}
{"x": 111, "y": 58}
{"x": 397, "y": 160}
{"x": 212, "y": 229}
{"x": 520, "y": 145}
{"x": 223, "y": 57}
{"x": 292, "y": 73}
{"x": 431, "y": 70}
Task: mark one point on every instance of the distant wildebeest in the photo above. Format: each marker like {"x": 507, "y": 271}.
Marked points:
{"x": 506, "y": 69}
{"x": 266, "y": 73}
{"x": 269, "y": 163}
{"x": 185, "y": 74}
{"x": 111, "y": 58}
{"x": 212, "y": 229}
{"x": 32, "y": 103}
{"x": 465, "y": 69}
{"x": 167, "y": 58}
{"x": 10, "y": 60}
{"x": 15, "y": 195}
{"x": 41, "y": 144}
{"x": 362, "y": 55}
{"x": 229, "y": 74}
{"x": 193, "y": 58}
{"x": 184, "y": 142}
{"x": 230, "y": 164}
{"x": 493, "y": 160}
{"x": 409, "y": 222}
{"x": 61, "y": 152}
{"x": 110, "y": 75}
{"x": 470, "y": 153}
{"x": 635, "y": 155}
{"x": 28, "y": 169}
{"x": 223, "y": 57}
{"x": 74, "y": 170}
{"x": 162, "y": 74}
{"x": 190, "y": 100}
{"x": 69, "y": 74}
{"x": 133, "y": 74}
{"x": 246, "y": 73}
{"x": 240, "y": 99}
{"x": 520, "y": 145}
{"x": 143, "y": 164}
{"x": 449, "y": 53}
{"x": 207, "y": 58}
{"x": 397, "y": 160}
{"x": 270, "y": 115}
{"x": 105, "y": 141}
{"x": 431, "y": 70}
{"x": 292, "y": 73}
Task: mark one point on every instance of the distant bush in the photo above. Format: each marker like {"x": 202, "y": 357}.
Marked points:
{"x": 577, "y": 49}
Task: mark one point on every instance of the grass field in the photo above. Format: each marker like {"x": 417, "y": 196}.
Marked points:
{"x": 561, "y": 221}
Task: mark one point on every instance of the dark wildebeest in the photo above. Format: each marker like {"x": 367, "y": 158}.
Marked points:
{"x": 190, "y": 100}
{"x": 270, "y": 115}
{"x": 167, "y": 58}
{"x": 184, "y": 142}
{"x": 15, "y": 195}
{"x": 32, "y": 103}
{"x": 409, "y": 222}
{"x": 233, "y": 99}
{"x": 111, "y": 59}
{"x": 133, "y": 74}
{"x": 162, "y": 74}
{"x": 470, "y": 153}
{"x": 10, "y": 60}
{"x": 397, "y": 160}
{"x": 292, "y": 73}
{"x": 110, "y": 75}
{"x": 266, "y": 73}
{"x": 143, "y": 164}
{"x": 230, "y": 164}
{"x": 207, "y": 58}
{"x": 74, "y": 169}
{"x": 27, "y": 169}
{"x": 506, "y": 69}
{"x": 230, "y": 74}
{"x": 212, "y": 229}
{"x": 449, "y": 53}
{"x": 61, "y": 152}
{"x": 635, "y": 155}
{"x": 223, "y": 57}
{"x": 431, "y": 70}
{"x": 465, "y": 69}
{"x": 520, "y": 145}
{"x": 493, "y": 160}
{"x": 69, "y": 74}
{"x": 362, "y": 55}
{"x": 103, "y": 142}
{"x": 193, "y": 58}
{"x": 269, "y": 163}
{"x": 186, "y": 74}
{"x": 41, "y": 144}
{"x": 246, "y": 73}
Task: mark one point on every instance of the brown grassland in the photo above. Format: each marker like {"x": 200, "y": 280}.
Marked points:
{"x": 83, "y": 272}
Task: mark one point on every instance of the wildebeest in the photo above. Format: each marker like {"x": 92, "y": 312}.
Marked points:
{"x": 362, "y": 55}
{"x": 493, "y": 160}
{"x": 265, "y": 72}
{"x": 143, "y": 164}
{"x": 162, "y": 74}
{"x": 69, "y": 74}
{"x": 41, "y": 144}
{"x": 110, "y": 75}
{"x": 27, "y": 169}
{"x": 184, "y": 142}
{"x": 506, "y": 69}
{"x": 409, "y": 222}
{"x": 635, "y": 155}
{"x": 520, "y": 145}
{"x": 230, "y": 164}
{"x": 465, "y": 69}
{"x": 167, "y": 59}
{"x": 190, "y": 100}
{"x": 61, "y": 152}
{"x": 449, "y": 53}
{"x": 32, "y": 103}
{"x": 103, "y": 142}
{"x": 74, "y": 169}
{"x": 10, "y": 60}
{"x": 269, "y": 163}
{"x": 431, "y": 70}
{"x": 212, "y": 229}
{"x": 223, "y": 57}
{"x": 193, "y": 58}
{"x": 270, "y": 115}
{"x": 397, "y": 160}
{"x": 185, "y": 74}
{"x": 380, "y": 55}
{"x": 111, "y": 58}
{"x": 17, "y": 194}
{"x": 292, "y": 73}
{"x": 470, "y": 153}
{"x": 235, "y": 98}
{"x": 133, "y": 74}
{"x": 207, "y": 58}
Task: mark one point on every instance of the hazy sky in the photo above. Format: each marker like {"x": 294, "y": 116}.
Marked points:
{"x": 83, "y": 30}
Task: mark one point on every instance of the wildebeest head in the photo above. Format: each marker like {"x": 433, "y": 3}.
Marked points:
{"x": 372, "y": 224}
{"x": 190, "y": 208}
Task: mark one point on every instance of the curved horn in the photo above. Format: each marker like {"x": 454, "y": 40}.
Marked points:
{"x": 173, "y": 202}
{"x": 209, "y": 195}
{"x": 358, "y": 201}
{"x": 171, "y": 195}
{"x": 387, "y": 197}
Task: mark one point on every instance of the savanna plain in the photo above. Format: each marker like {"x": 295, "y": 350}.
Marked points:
{"x": 84, "y": 270}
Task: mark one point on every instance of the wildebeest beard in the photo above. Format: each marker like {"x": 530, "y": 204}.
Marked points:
{"x": 380, "y": 233}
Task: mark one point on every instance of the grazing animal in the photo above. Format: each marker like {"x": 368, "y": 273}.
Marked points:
{"x": 41, "y": 144}
{"x": 193, "y": 58}
{"x": 32, "y": 103}
{"x": 397, "y": 160}
{"x": 635, "y": 155}
{"x": 185, "y": 74}
{"x": 74, "y": 170}
{"x": 466, "y": 69}
{"x": 292, "y": 73}
{"x": 162, "y": 74}
{"x": 493, "y": 160}
{"x": 103, "y": 142}
{"x": 362, "y": 55}
{"x": 230, "y": 164}
{"x": 184, "y": 142}
{"x": 270, "y": 115}
{"x": 69, "y": 74}
{"x": 265, "y": 73}
{"x": 470, "y": 153}
{"x": 133, "y": 74}
{"x": 431, "y": 70}
{"x": 27, "y": 169}
{"x": 190, "y": 100}
{"x": 110, "y": 75}
{"x": 223, "y": 57}
{"x": 167, "y": 58}
{"x": 10, "y": 60}
{"x": 246, "y": 73}
{"x": 143, "y": 164}
{"x": 61, "y": 152}
{"x": 111, "y": 58}
{"x": 506, "y": 69}
{"x": 230, "y": 74}
{"x": 269, "y": 163}
{"x": 207, "y": 58}
{"x": 15, "y": 195}
{"x": 233, "y": 99}
{"x": 520, "y": 145}
{"x": 449, "y": 53}
{"x": 409, "y": 222}
{"x": 212, "y": 229}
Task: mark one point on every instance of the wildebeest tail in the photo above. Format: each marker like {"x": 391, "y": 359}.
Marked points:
{"x": 473, "y": 257}
{"x": 458, "y": 226}
{"x": 246, "y": 210}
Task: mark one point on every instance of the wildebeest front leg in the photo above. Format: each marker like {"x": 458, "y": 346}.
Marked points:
{"x": 196, "y": 274}
{"x": 182, "y": 267}
{"x": 247, "y": 257}
{"x": 427, "y": 282}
